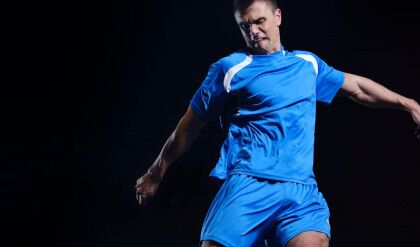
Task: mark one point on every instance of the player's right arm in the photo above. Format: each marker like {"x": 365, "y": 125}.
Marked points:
{"x": 185, "y": 133}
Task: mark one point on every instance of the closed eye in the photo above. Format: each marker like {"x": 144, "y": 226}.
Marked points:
{"x": 260, "y": 21}
{"x": 246, "y": 25}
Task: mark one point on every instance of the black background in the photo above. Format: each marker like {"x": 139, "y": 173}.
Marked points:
{"x": 90, "y": 91}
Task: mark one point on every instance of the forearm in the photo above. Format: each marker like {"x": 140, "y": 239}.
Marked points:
{"x": 370, "y": 93}
{"x": 174, "y": 147}
{"x": 178, "y": 142}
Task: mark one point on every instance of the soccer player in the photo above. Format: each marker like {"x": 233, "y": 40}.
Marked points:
{"x": 268, "y": 96}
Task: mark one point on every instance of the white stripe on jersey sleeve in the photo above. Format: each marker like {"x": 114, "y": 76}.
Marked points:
{"x": 311, "y": 59}
{"x": 235, "y": 69}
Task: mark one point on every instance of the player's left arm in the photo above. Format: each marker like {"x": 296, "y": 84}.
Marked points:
{"x": 367, "y": 92}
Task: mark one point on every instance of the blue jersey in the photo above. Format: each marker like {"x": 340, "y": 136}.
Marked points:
{"x": 272, "y": 124}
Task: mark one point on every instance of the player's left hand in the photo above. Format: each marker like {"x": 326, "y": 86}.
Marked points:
{"x": 415, "y": 114}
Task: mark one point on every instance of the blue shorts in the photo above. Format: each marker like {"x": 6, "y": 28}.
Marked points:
{"x": 248, "y": 211}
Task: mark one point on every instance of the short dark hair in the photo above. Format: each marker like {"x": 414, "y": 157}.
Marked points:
{"x": 242, "y": 5}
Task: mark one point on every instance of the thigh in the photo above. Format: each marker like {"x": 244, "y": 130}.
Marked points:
{"x": 309, "y": 239}
{"x": 209, "y": 243}
{"x": 305, "y": 217}
{"x": 242, "y": 212}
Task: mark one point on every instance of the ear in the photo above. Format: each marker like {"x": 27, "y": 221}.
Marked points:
{"x": 277, "y": 16}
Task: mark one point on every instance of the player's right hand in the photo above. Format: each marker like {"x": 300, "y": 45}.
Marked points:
{"x": 146, "y": 187}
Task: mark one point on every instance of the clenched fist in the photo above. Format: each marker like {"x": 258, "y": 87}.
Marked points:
{"x": 147, "y": 186}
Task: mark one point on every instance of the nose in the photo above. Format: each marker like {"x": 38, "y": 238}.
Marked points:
{"x": 253, "y": 29}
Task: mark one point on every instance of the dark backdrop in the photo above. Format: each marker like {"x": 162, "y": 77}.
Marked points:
{"x": 90, "y": 90}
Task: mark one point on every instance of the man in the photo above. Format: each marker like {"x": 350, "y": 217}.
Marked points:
{"x": 270, "y": 191}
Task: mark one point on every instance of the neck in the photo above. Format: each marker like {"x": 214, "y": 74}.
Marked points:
{"x": 260, "y": 51}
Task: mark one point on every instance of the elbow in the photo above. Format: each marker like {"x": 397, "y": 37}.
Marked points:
{"x": 365, "y": 99}
{"x": 362, "y": 97}
{"x": 359, "y": 92}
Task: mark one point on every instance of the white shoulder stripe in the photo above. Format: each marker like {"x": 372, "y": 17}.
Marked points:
{"x": 235, "y": 69}
{"x": 311, "y": 59}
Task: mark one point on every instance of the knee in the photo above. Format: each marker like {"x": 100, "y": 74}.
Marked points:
{"x": 317, "y": 239}
{"x": 210, "y": 243}
{"x": 310, "y": 238}
{"x": 323, "y": 239}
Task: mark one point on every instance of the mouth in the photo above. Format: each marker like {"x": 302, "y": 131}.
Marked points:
{"x": 258, "y": 39}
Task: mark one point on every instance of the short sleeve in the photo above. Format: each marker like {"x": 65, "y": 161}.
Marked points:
{"x": 210, "y": 97}
{"x": 329, "y": 81}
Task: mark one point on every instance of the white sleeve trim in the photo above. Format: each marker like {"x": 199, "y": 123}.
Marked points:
{"x": 311, "y": 59}
{"x": 235, "y": 69}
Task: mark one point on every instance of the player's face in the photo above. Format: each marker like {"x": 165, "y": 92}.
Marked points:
{"x": 259, "y": 25}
